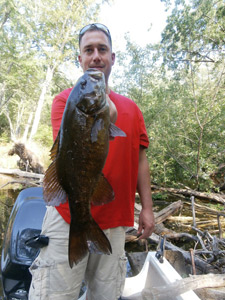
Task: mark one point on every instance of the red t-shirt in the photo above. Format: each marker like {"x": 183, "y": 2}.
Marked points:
{"x": 121, "y": 167}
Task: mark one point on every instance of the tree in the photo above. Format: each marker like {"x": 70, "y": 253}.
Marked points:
{"x": 19, "y": 67}
{"x": 193, "y": 45}
{"x": 179, "y": 85}
{"x": 36, "y": 39}
{"x": 194, "y": 32}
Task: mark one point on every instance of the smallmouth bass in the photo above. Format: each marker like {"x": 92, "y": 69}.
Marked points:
{"x": 78, "y": 157}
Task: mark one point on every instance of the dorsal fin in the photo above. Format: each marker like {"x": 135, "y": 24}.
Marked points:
{"x": 55, "y": 146}
{"x": 52, "y": 191}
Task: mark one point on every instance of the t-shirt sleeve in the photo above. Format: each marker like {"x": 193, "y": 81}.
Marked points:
{"x": 144, "y": 141}
{"x": 58, "y": 106}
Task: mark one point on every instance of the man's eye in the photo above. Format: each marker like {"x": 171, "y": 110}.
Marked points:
{"x": 88, "y": 50}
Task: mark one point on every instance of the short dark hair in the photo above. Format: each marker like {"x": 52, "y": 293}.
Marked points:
{"x": 95, "y": 27}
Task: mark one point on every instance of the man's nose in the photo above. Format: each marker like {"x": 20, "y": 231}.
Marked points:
{"x": 96, "y": 55}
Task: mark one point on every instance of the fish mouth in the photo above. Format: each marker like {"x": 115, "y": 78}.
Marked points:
{"x": 98, "y": 68}
{"x": 96, "y": 73}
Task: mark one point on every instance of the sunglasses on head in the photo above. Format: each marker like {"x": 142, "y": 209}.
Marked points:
{"x": 94, "y": 26}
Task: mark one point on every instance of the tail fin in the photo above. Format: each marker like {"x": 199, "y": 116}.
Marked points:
{"x": 79, "y": 238}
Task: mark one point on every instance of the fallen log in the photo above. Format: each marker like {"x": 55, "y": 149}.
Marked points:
{"x": 182, "y": 219}
{"x": 163, "y": 214}
{"x": 23, "y": 174}
{"x": 204, "y": 209}
{"x": 203, "y": 223}
{"x": 179, "y": 287}
{"x": 161, "y": 230}
{"x": 189, "y": 192}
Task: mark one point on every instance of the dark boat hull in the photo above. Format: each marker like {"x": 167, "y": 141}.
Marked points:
{"x": 24, "y": 225}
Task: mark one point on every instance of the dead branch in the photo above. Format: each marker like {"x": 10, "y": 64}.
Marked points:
{"x": 189, "y": 192}
{"x": 25, "y": 183}
{"x": 163, "y": 214}
{"x": 203, "y": 266}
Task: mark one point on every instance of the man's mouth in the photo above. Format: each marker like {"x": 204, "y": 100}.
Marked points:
{"x": 97, "y": 67}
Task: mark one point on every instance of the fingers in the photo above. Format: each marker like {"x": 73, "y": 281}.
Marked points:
{"x": 146, "y": 225}
{"x": 112, "y": 110}
{"x": 144, "y": 233}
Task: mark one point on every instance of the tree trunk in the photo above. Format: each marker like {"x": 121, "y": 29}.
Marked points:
{"x": 27, "y": 127}
{"x": 37, "y": 117}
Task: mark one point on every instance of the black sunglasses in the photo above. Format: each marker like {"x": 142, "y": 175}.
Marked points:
{"x": 94, "y": 26}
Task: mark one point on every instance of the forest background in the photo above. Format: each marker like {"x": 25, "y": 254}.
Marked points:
{"x": 178, "y": 83}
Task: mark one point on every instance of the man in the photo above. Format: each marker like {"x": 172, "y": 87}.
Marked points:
{"x": 126, "y": 169}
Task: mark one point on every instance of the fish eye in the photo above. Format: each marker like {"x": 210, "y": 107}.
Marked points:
{"x": 83, "y": 83}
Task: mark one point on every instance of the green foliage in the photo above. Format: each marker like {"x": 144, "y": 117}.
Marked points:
{"x": 60, "y": 83}
{"x": 44, "y": 136}
{"x": 218, "y": 207}
{"x": 159, "y": 196}
{"x": 179, "y": 86}
{"x": 4, "y": 127}
{"x": 194, "y": 32}
{"x": 36, "y": 40}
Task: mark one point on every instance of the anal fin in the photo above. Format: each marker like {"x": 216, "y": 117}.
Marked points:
{"x": 103, "y": 192}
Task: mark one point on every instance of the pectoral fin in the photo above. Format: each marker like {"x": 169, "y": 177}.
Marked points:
{"x": 98, "y": 126}
{"x": 115, "y": 131}
{"x": 103, "y": 193}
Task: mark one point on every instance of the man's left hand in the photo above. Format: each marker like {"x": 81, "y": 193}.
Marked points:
{"x": 146, "y": 223}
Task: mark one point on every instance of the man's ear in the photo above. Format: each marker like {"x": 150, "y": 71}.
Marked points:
{"x": 113, "y": 58}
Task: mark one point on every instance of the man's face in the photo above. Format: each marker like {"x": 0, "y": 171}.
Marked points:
{"x": 95, "y": 52}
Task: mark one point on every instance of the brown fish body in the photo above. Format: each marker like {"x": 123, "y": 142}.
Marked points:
{"x": 81, "y": 160}
{"x": 79, "y": 155}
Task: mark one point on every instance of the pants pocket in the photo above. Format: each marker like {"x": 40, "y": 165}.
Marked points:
{"x": 39, "y": 288}
{"x": 55, "y": 282}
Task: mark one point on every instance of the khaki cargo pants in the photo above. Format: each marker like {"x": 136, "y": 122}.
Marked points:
{"x": 52, "y": 277}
